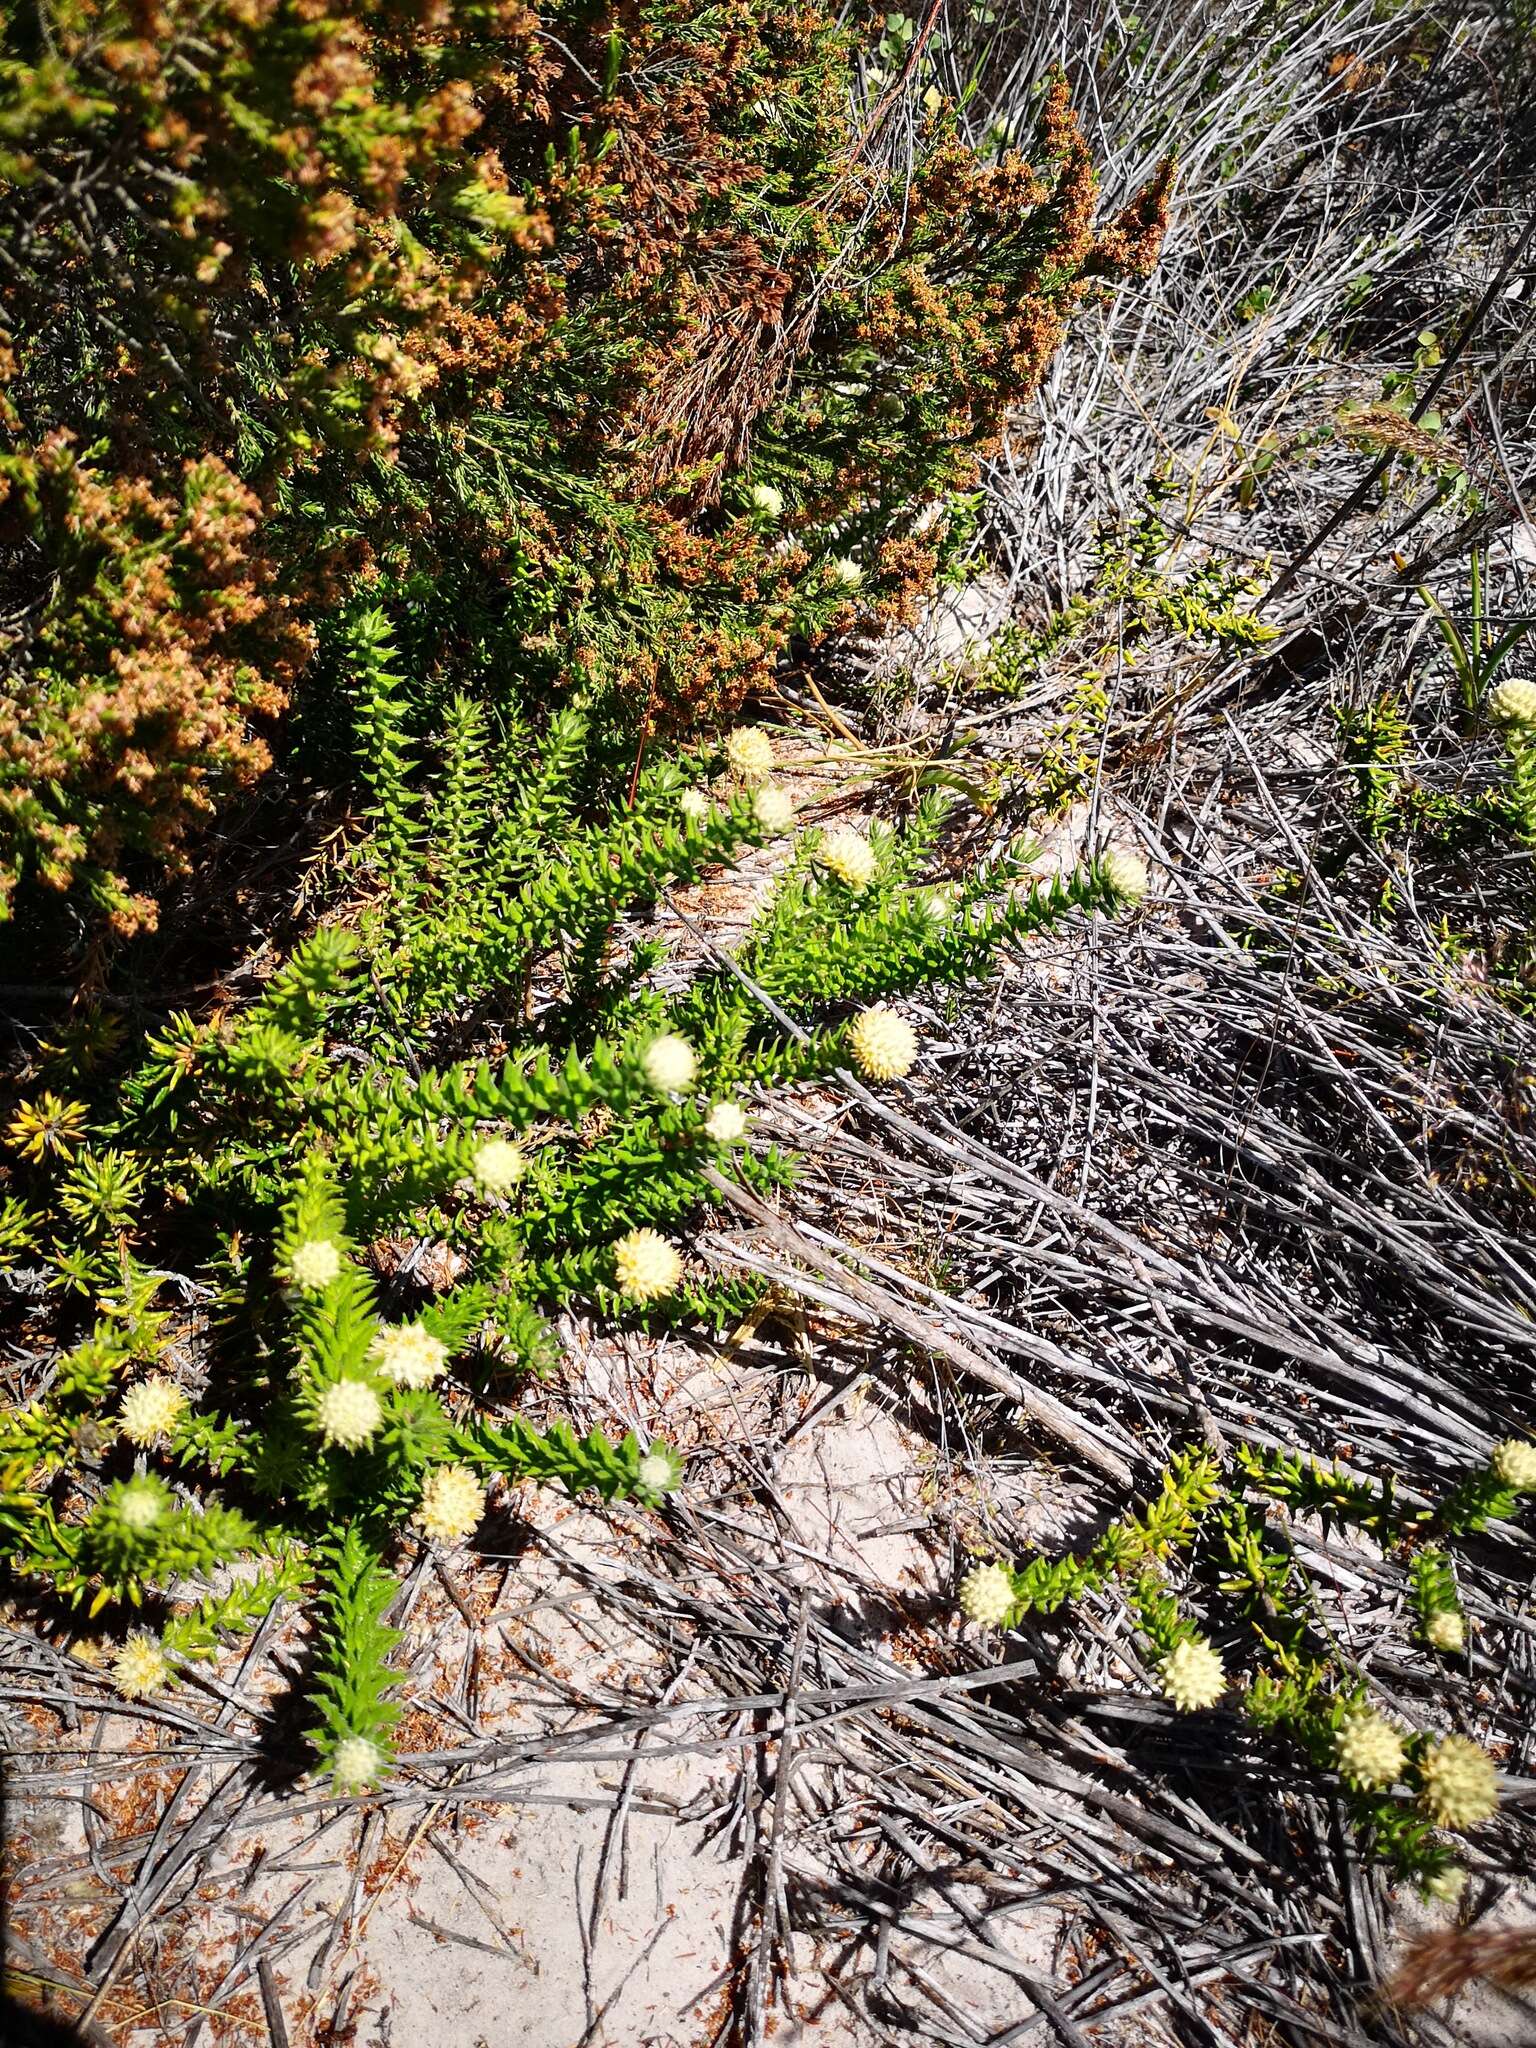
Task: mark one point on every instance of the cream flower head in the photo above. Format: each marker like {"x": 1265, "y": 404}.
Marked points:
{"x": 356, "y": 1763}
{"x": 883, "y": 1044}
{"x": 1513, "y": 702}
{"x": 141, "y": 1667}
{"x": 314, "y": 1265}
{"x": 1514, "y": 1463}
{"x": 694, "y": 803}
{"x": 498, "y": 1166}
{"x": 987, "y": 1595}
{"x": 658, "y": 1472}
{"x": 846, "y": 573}
{"x": 1370, "y": 1750}
{"x": 1458, "y": 1785}
{"x": 848, "y": 855}
{"x": 1192, "y": 1676}
{"x": 1126, "y": 873}
{"x": 669, "y": 1064}
{"x": 151, "y": 1409}
{"x": 768, "y": 500}
{"x": 349, "y": 1413}
{"x": 451, "y": 1505}
{"x": 140, "y": 1504}
{"x": 409, "y": 1355}
{"x": 1446, "y": 1630}
{"x": 1447, "y": 1886}
{"x": 726, "y": 1124}
{"x": 645, "y": 1266}
{"x": 774, "y": 810}
{"x": 749, "y": 752}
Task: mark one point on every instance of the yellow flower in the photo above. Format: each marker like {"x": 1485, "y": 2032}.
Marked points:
{"x": 46, "y": 1125}
{"x": 726, "y": 1124}
{"x": 848, "y": 855}
{"x": 645, "y": 1266}
{"x": 140, "y": 1667}
{"x": 1126, "y": 873}
{"x": 409, "y": 1355}
{"x": 1370, "y": 1750}
{"x": 1458, "y": 1785}
{"x": 349, "y": 1413}
{"x": 668, "y": 1064}
{"x": 1514, "y": 1462}
{"x": 150, "y": 1410}
{"x": 452, "y": 1503}
{"x": 749, "y": 752}
{"x": 1446, "y": 1630}
{"x": 499, "y": 1165}
{"x": 774, "y": 810}
{"x": 883, "y": 1044}
{"x": 356, "y": 1763}
{"x": 1514, "y": 701}
{"x": 986, "y": 1594}
{"x": 1192, "y": 1676}
{"x": 1447, "y": 1886}
{"x": 314, "y": 1265}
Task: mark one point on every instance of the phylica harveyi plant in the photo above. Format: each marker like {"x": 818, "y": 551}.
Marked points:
{"x": 304, "y": 1410}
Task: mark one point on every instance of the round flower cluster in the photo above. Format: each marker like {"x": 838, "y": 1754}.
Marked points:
{"x": 848, "y": 855}
{"x": 349, "y": 1413}
{"x": 141, "y": 1503}
{"x": 749, "y": 753}
{"x": 356, "y": 1763}
{"x": 452, "y": 1503}
{"x": 408, "y": 1355}
{"x": 883, "y": 1044}
{"x": 498, "y": 1166}
{"x": 1514, "y": 1463}
{"x": 151, "y": 1409}
{"x": 726, "y": 1124}
{"x": 314, "y": 1265}
{"x": 669, "y": 1064}
{"x": 1514, "y": 701}
{"x": 1370, "y": 1750}
{"x": 694, "y": 803}
{"x": 774, "y": 810}
{"x": 645, "y": 1266}
{"x": 846, "y": 573}
{"x": 986, "y": 1594}
{"x": 1447, "y": 1886}
{"x": 658, "y": 1472}
{"x": 764, "y": 498}
{"x": 140, "y": 1667}
{"x": 1192, "y": 1676}
{"x": 1126, "y": 873}
{"x": 1446, "y": 1629}
{"x": 1458, "y": 1785}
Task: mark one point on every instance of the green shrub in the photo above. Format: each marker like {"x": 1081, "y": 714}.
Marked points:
{"x": 600, "y": 342}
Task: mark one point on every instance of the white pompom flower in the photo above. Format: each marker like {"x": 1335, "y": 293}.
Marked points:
{"x": 987, "y": 1595}
{"x": 645, "y": 1266}
{"x": 452, "y": 1503}
{"x": 846, "y": 573}
{"x": 498, "y": 1166}
{"x": 150, "y": 1410}
{"x": 848, "y": 855}
{"x": 749, "y": 753}
{"x": 314, "y": 1265}
{"x": 883, "y": 1044}
{"x": 1513, "y": 702}
{"x": 1446, "y": 1630}
{"x": 773, "y": 809}
{"x": 658, "y": 1473}
{"x": 1458, "y": 1785}
{"x": 695, "y": 804}
{"x": 1126, "y": 873}
{"x": 1370, "y": 1750}
{"x": 1191, "y": 1676}
{"x": 141, "y": 1668}
{"x": 356, "y": 1764}
{"x": 726, "y": 1124}
{"x": 766, "y": 499}
{"x": 408, "y": 1355}
{"x": 349, "y": 1414}
{"x": 140, "y": 1504}
{"x": 669, "y": 1064}
{"x": 1514, "y": 1464}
